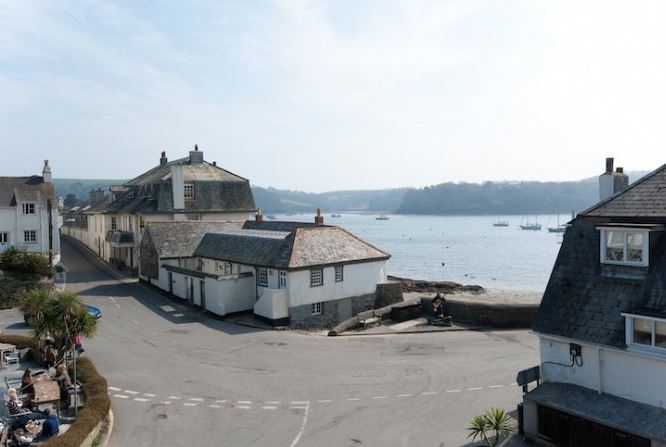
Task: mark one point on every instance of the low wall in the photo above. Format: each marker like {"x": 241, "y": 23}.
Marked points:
{"x": 489, "y": 314}
{"x": 388, "y": 293}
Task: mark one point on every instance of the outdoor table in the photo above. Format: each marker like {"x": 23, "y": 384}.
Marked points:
{"x": 47, "y": 392}
{"x": 5, "y": 348}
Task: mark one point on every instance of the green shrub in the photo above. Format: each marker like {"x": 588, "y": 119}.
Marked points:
{"x": 25, "y": 264}
{"x": 97, "y": 403}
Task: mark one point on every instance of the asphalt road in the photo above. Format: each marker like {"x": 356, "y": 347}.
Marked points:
{"x": 179, "y": 378}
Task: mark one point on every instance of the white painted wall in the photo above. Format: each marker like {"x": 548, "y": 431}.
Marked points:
{"x": 359, "y": 279}
{"x": 13, "y": 221}
{"x": 273, "y": 304}
{"x": 230, "y": 294}
{"x": 632, "y": 375}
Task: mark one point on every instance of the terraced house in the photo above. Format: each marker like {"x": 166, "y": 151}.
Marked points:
{"x": 602, "y": 325}
{"x": 188, "y": 188}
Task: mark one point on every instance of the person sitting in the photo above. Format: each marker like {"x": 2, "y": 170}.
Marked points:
{"x": 26, "y": 384}
{"x": 21, "y": 414}
{"x": 50, "y": 426}
{"x": 64, "y": 382}
{"x": 49, "y": 354}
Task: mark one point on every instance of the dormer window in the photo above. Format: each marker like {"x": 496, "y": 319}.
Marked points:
{"x": 189, "y": 191}
{"x": 624, "y": 244}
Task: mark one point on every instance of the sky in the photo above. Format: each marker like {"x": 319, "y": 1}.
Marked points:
{"x": 331, "y": 95}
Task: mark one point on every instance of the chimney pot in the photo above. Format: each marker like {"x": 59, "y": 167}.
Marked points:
{"x": 319, "y": 219}
{"x": 609, "y": 165}
{"x": 163, "y": 159}
{"x": 620, "y": 170}
{"x": 196, "y": 147}
{"x": 46, "y": 172}
{"x": 214, "y": 163}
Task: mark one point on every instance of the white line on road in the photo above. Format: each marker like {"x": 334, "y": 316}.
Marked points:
{"x": 496, "y": 386}
{"x": 115, "y": 302}
{"x": 120, "y": 396}
{"x": 476, "y": 388}
{"x": 174, "y": 397}
{"x": 166, "y": 402}
{"x": 196, "y": 399}
{"x": 244, "y": 407}
{"x": 272, "y": 402}
{"x": 140, "y": 399}
{"x": 269, "y": 407}
{"x": 244, "y": 402}
{"x": 298, "y": 407}
{"x": 113, "y": 388}
{"x": 428, "y": 393}
{"x": 513, "y": 384}
{"x": 404, "y": 395}
{"x": 189, "y": 404}
{"x": 178, "y": 315}
{"x": 299, "y": 402}
{"x": 214, "y": 406}
{"x": 379, "y": 397}
{"x": 300, "y": 433}
{"x": 452, "y": 391}
{"x": 220, "y": 401}
{"x": 324, "y": 401}
{"x": 352, "y": 399}
{"x": 149, "y": 395}
{"x": 131, "y": 392}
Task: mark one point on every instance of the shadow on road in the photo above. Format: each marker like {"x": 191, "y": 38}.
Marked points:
{"x": 84, "y": 267}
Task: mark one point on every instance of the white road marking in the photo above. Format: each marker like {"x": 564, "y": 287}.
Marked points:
{"x": 189, "y": 404}
{"x": 131, "y": 392}
{"x": 120, "y": 396}
{"x": 476, "y": 388}
{"x": 149, "y": 395}
{"x": 452, "y": 391}
{"x": 113, "y": 388}
{"x": 300, "y": 433}
{"x": 428, "y": 393}
{"x": 513, "y": 384}
{"x": 272, "y": 402}
{"x": 351, "y": 399}
{"x": 214, "y": 406}
{"x": 379, "y": 397}
{"x": 269, "y": 407}
{"x": 196, "y": 399}
{"x": 299, "y": 402}
{"x": 140, "y": 399}
{"x": 298, "y": 407}
{"x": 244, "y": 402}
{"x": 166, "y": 402}
{"x": 174, "y": 397}
{"x": 244, "y": 407}
{"x": 496, "y": 386}
{"x": 115, "y": 302}
{"x": 220, "y": 401}
{"x": 178, "y": 315}
{"x": 324, "y": 401}
{"x": 168, "y": 308}
{"x": 404, "y": 395}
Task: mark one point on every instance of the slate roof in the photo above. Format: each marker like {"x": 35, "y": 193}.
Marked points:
{"x": 645, "y": 197}
{"x": 180, "y": 239}
{"x": 584, "y": 298}
{"x": 15, "y": 190}
{"x": 296, "y": 249}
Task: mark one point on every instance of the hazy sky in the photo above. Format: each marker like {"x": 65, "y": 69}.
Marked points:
{"x": 323, "y": 95}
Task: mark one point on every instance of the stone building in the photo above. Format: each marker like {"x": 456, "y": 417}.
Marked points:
{"x": 602, "y": 325}
{"x": 29, "y": 217}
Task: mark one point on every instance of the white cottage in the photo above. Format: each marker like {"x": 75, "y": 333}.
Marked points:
{"x": 304, "y": 275}
{"x": 29, "y": 218}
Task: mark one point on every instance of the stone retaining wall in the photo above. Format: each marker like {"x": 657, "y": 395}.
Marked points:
{"x": 500, "y": 315}
{"x": 332, "y": 312}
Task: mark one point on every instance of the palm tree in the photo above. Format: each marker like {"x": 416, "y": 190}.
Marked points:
{"x": 60, "y": 317}
{"x": 495, "y": 421}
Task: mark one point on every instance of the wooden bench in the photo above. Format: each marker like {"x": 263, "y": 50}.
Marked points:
{"x": 369, "y": 318}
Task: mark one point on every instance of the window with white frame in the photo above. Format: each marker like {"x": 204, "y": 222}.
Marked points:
{"x": 283, "y": 280}
{"x": 228, "y": 268}
{"x": 28, "y": 208}
{"x": 339, "y": 273}
{"x": 317, "y": 308}
{"x": 316, "y": 277}
{"x": 114, "y": 223}
{"x": 645, "y": 331}
{"x": 4, "y": 237}
{"x": 262, "y": 277}
{"x": 30, "y": 236}
{"x": 624, "y": 246}
{"x": 189, "y": 191}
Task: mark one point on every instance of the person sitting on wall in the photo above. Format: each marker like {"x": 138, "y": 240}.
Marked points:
{"x": 49, "y": 354}
{"x": 26, "y": 384}
{"x": 64, "y": 382}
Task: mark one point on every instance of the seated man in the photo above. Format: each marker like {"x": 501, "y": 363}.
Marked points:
{"x": 64, "y": 382}
{"x": 16, "y": 410}
{"x": 50, "y": 426}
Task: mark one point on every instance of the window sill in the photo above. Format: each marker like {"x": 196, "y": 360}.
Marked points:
{"x": 648, "y": 351}
{"x": 316, "y": 285}
{"x": 624, "y": 271}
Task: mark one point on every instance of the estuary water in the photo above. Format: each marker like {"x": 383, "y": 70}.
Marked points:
{"x": 464, "y": 249}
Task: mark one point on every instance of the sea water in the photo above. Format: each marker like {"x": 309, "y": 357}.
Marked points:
{"x": 464, "y": 249}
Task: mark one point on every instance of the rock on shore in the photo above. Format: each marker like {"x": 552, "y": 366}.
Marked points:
{"x": 423, "y": 286}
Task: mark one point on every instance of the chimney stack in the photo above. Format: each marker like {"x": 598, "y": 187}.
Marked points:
{"x": 46, "y": 172}
{"x": 196, "y": 156}
{"x": 611, "y": 183}
{"x": 163, "y": 159}
{"x": 319, "y": 219}
{"x": 258, "y": 217}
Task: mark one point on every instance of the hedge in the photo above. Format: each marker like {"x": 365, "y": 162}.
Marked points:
{"x": 97, "y": 403}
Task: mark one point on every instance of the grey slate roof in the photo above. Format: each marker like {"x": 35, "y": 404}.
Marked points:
{"x": 295, "y": 249}
{"x": 584, "y": 298}
{"x": 180, "y": 239}
{"x": 24, "y": 189}
{"x": 645, "y": 197}
{"x": 623, "y": 414}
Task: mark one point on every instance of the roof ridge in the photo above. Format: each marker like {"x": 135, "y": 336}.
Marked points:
{"x": 362, "y": 241}
{"x": 629, "y": 188}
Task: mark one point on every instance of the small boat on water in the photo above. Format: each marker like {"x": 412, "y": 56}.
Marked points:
{"x": 382, "y": 217}
{"x": 501, "y": 223}
{"x": 271, "y": 217}
{"x": 531, "y": 226}
{"x": 558, "y": 229}
{"x": 336, "y": 215}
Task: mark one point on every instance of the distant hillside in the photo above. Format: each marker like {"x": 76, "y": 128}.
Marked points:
{"x": 81, "y": 187}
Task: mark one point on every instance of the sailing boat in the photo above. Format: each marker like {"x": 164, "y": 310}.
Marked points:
{"x": 559, "y": 228}
{"x": 531, "y": 226}
{"x": 500, "y": 223}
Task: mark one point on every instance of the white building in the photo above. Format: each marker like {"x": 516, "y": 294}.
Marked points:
{"x": 304, "y": 275}
{"x": 185, "y": 189}
{"x": 29, "y": 214}
{"x": 602, "y": 326}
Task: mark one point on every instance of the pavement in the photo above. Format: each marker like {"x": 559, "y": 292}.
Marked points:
{"x": 179, "y": 377}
